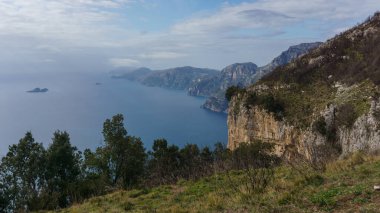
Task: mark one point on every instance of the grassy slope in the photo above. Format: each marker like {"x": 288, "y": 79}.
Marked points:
{"x": 342, "y": 188}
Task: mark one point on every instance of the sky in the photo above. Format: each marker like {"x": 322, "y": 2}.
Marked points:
{"x": 100, "y": 35}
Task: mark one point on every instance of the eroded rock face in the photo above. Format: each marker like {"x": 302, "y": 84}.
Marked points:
{"x": 365, "y": 133}
{"x": 247, "y": 125}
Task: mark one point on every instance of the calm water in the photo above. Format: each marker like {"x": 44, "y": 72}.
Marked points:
{"x": 76, "y": 104}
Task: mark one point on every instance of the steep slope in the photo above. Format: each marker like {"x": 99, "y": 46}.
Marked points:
{"x": 243, "y": 74}
{"x": 289, "y": 55}
{"x": 322, "y": 105}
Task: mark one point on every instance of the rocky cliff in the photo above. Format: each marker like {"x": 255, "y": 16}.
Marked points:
{"x": 241, "y": 74}
{"x": 246, "y": 125}
{"x": 323, "y": 105}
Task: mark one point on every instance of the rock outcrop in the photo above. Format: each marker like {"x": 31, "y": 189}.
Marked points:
{"x": 247, "y": 125}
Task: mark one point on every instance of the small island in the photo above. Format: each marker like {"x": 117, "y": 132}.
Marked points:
{"x": 38, "y": 90}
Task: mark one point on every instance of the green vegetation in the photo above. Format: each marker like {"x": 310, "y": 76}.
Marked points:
{"x": 232, "y": 91}
{"x": 266, "y": 101}
{"x": 346, "y": 186}
{"x": 33, "y": 178}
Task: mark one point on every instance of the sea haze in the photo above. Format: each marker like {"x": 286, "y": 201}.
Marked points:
{"x": 77, "y": 104}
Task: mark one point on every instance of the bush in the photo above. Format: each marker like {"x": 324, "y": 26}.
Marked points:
{"x": 273, "y": 105}
{"x": 232, "y": 91}
{"x": 320, "y": 126}
{"x": 256, "y": 162}
{"x": 251, "y": 100}
{"x": 347, "y": 115}
{"x": 267, "y": 102}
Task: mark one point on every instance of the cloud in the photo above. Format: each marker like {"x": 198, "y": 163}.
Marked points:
{"x": 274, "y": 14}
{"x": 162, "y": 55}
{"x": 102, "y": 30}
{"x": 48, "y": 48}
{"x": 123, "y": 62}
{"x": 78, "y": 22}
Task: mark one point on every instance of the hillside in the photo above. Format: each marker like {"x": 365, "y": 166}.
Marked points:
{"x": 132, "y": 74}
{"x": 322, "y": 105}
{"x": 176, "y": 78}
{"x": 346, "y": 186}
{"x": 243, "y": 75}
{"x": 207, "y": 82}
{"x": 179, "y": 78}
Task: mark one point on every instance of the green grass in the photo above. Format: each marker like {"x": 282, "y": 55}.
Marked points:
{"x": 346, "y": 186}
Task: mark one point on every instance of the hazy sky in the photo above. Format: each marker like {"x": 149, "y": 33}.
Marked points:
{"x": 97, "y": 35}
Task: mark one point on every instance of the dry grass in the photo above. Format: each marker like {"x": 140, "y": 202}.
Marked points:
{"x": 346, "y": 186}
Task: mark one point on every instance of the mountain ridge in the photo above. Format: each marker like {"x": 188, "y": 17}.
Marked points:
{"x": 210, "y": 83}
{"x": 215, "y": 87}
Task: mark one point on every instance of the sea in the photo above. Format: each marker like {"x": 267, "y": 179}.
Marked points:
{"x": 79, "y": 103}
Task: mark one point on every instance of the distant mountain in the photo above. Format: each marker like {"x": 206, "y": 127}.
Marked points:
{"x": 177, "y": 78}
{"x": 180, "y": 78}
{"x": 290, "y": 54}
{"x": 132, "y": 74}
{"x": 242, "y": 74}
{"x": 208, "y": 82}
{"x": 235, "y": 74}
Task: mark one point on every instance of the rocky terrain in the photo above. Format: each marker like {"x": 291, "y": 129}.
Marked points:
{"x": 241, "y": 74}
{"x": 322, "y": 105}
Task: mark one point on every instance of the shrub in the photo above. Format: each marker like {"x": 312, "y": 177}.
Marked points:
{"x": 320, "y": 126}
{"x": 257, "y": 162}
{"x": 251, "y": 100}
{"x": 346, "y": 115}
{"x": 273, "y": 105}
{"x": 232, "y": 91}
{"x": 267, "y": 102}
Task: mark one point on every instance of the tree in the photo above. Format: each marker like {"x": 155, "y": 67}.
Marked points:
{"x": 190, "y": 161}
{"x": 165, "y": 162}
{"x": 124, "y": 155}
{"x": 21, "y": 175}
{"x": 62, "y": 171}
{"x": 206, "y": 155}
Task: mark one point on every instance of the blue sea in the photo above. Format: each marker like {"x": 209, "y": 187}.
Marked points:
{"x": 76, "y": 104}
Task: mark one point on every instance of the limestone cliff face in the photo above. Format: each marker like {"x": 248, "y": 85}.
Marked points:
{"x": 365, "y": 133}
{"x": 247, "y": 125}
